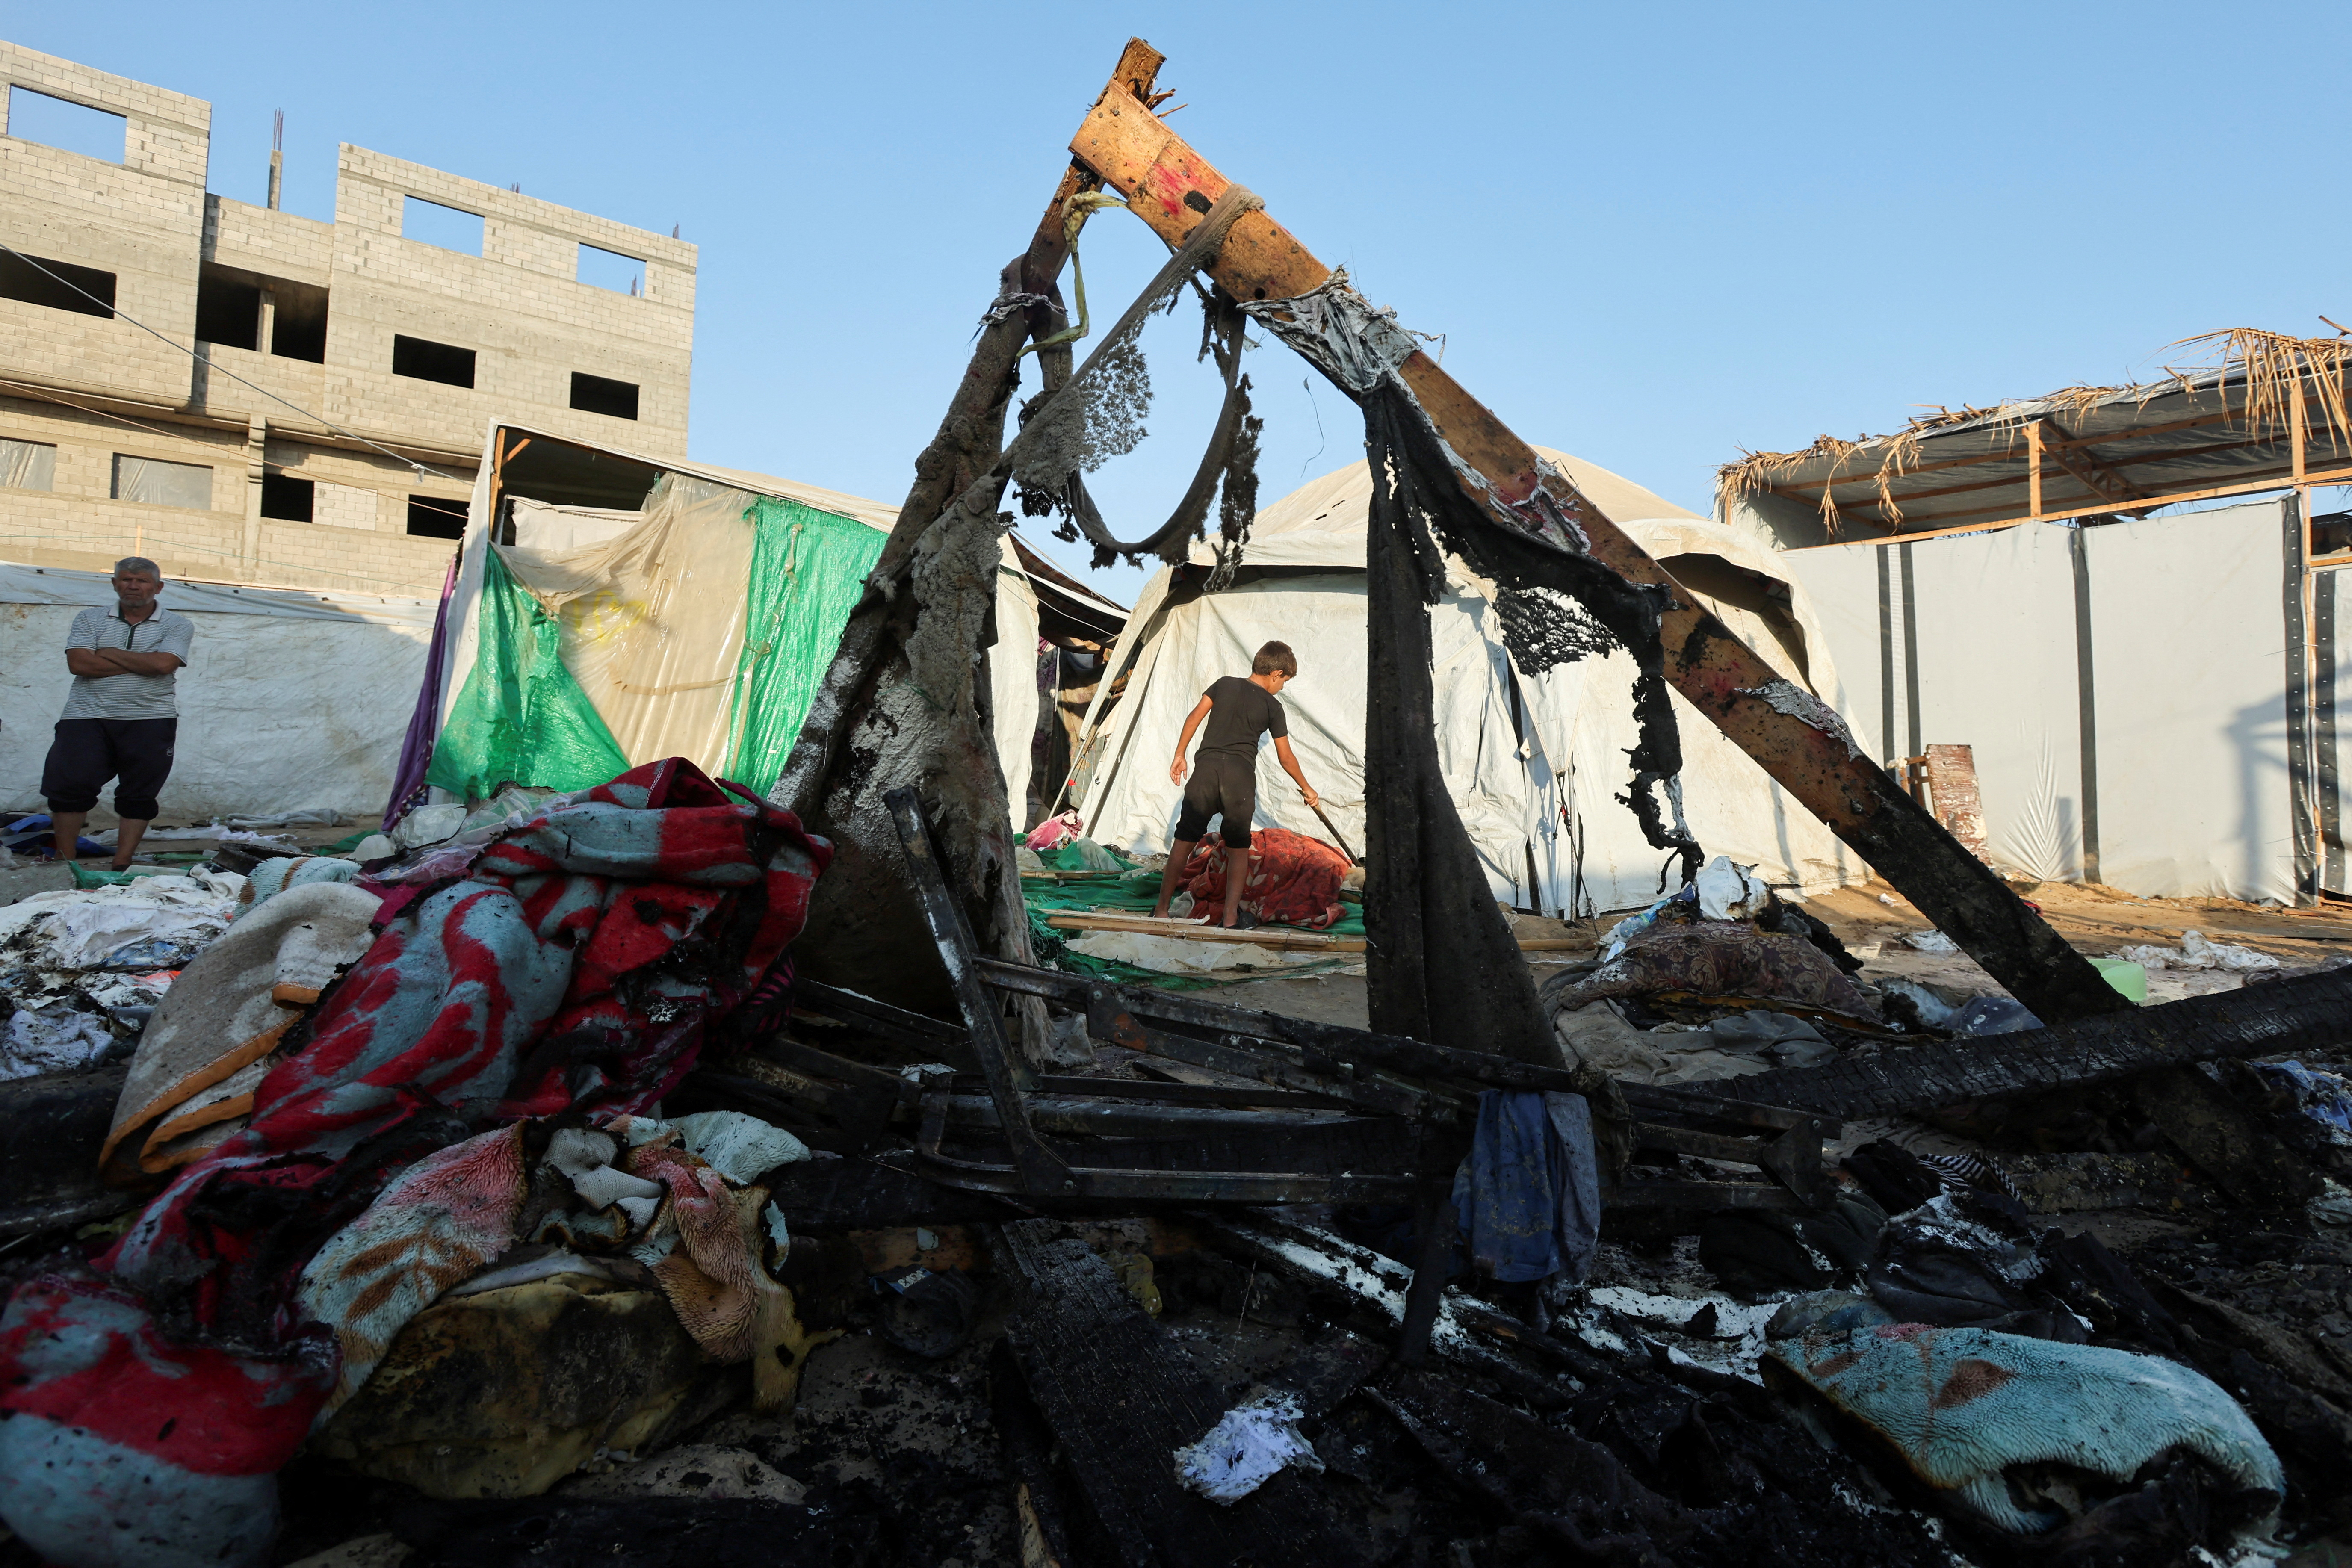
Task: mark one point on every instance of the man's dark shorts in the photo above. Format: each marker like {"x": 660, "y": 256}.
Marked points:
{"x": 1223, "y": 785}
{"x": 137, "y": 752}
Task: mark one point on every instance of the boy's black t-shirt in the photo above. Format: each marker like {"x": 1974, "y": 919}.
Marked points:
{"x": 1241, "y": 711}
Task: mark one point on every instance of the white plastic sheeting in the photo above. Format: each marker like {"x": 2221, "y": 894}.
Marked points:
{"x": 661, "y": 681}
{"x": 28, "y": 465}
{"x": 1014, "y": 697}
{"x": 1533, "y": 762}
{"x": 2189, "y": 631}
{"x": 156, "y": 481}
{"x": 652, "y": 616}
{"x": 1996, "y": 636}
{"x": 291, "y": 700}
{"x": 2189, "y": 701}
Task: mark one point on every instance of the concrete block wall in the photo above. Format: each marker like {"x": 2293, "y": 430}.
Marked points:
{"x": 78, "y": 524}
{"x": 277, "y": 244}
{"x": 359, "y": 544}
{"x": 140, "y": 219}
{"x": 520, "y": 306}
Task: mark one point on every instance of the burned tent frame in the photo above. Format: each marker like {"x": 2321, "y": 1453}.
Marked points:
{"x": 1123, "y": 145}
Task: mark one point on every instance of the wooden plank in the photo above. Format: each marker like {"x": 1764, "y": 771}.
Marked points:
{"x": 1042, "y": 1170}
{"x": 2103, "y": 483}
{"x": 2283, "y": 1017}
{"x": 1276, "y": 938}
{"x": 2251, "y": 487}
{"x": 1273, "y": 938}
{"x": 1169, "y": 186}
{"x": 2052, "y": 443}
{"x": 1121, "y": 1399}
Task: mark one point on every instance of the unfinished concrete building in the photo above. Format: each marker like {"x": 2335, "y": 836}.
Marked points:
{"x": 250, "y": 395}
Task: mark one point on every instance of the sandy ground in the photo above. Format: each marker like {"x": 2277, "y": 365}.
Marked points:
{"x": 2096, "y": 920}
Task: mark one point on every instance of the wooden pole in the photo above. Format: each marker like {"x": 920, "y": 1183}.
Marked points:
{"x": 2033, "y": 469}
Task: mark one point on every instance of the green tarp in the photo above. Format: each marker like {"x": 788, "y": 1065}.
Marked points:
{"x": 521, "y": 718}
{"x": 808, "y": 568}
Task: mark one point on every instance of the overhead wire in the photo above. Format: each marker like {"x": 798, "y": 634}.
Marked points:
{"x": 207, "y": 361}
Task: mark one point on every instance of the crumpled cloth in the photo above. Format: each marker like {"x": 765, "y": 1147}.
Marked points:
{"x": 154, "y": 922}
{"x": 1527, "y": 1197}
{"x": 55, "y": 1039}
{"x": 457, "y": 1212}
{"x": 281, "y": 872}
{"x": 1293, "y": 879}
{"x": 581, "y": 964}
{"x": 2197, "y": 951}
{"x": 1054, "y": 832}
{"x": 1967, "y": 1259}
{"x": 2324, "y": 1096}
{"x": 1961, "y": 1406}
{"x": 210, "y": 1042}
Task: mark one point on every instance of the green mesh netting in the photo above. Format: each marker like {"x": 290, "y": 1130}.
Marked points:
{"x": 521, "y": 718}
{"x": 808, "y": 568}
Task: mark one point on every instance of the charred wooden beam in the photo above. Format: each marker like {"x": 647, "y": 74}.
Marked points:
{"x": 2283, "y": 1017}
{"x": 1041, "y": 1171}
{"x": 1798, "y": 740}
{"x": 1326, "y": 1045}
{"x": 1121, "y": 1399}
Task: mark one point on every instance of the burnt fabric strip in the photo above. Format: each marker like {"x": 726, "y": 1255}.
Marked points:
{"x": 1434, "y": 930}
{"x": 1556, "y": 607}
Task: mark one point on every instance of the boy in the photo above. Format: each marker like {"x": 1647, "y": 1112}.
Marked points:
{"x": 1224, "y": 771}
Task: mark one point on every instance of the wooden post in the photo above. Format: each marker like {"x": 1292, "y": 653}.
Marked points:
{"x": 2033, "y": 469}
{"x": 2294, "y": 421}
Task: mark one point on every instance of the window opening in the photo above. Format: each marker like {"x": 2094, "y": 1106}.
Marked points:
{"x": 429, "y": 360}
{"x": 601, "y": 394}
{"x": 430, "y": 223}
{"x": 436, "y": 517}
{"x": 299, "y": 323}
{"x": 153, "y": 481}
{"x": 68, "y": 126}
{"x": 602, "y": 268}
{"x": 28, "y": 465}
{"x": 228, "y": 307}
{"x": 57, "y": 286}
{"x": 288, "y": 499}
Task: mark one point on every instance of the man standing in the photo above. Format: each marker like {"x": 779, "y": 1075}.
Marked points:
{"x": 122, "y": 719}
{"x": 1225, "y": 771}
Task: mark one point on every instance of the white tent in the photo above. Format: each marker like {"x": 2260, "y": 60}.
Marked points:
{"x": 292, "y": 699}
{"x": 1533, "y": 762}
{"x": 674, "y": 573}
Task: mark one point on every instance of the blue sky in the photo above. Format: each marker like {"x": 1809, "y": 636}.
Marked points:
{"x": 1653, "y": 236}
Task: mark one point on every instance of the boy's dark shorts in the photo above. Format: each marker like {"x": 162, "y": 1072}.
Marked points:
{"x": 1219, "y": 784}
{"x": 135, "y": 753}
